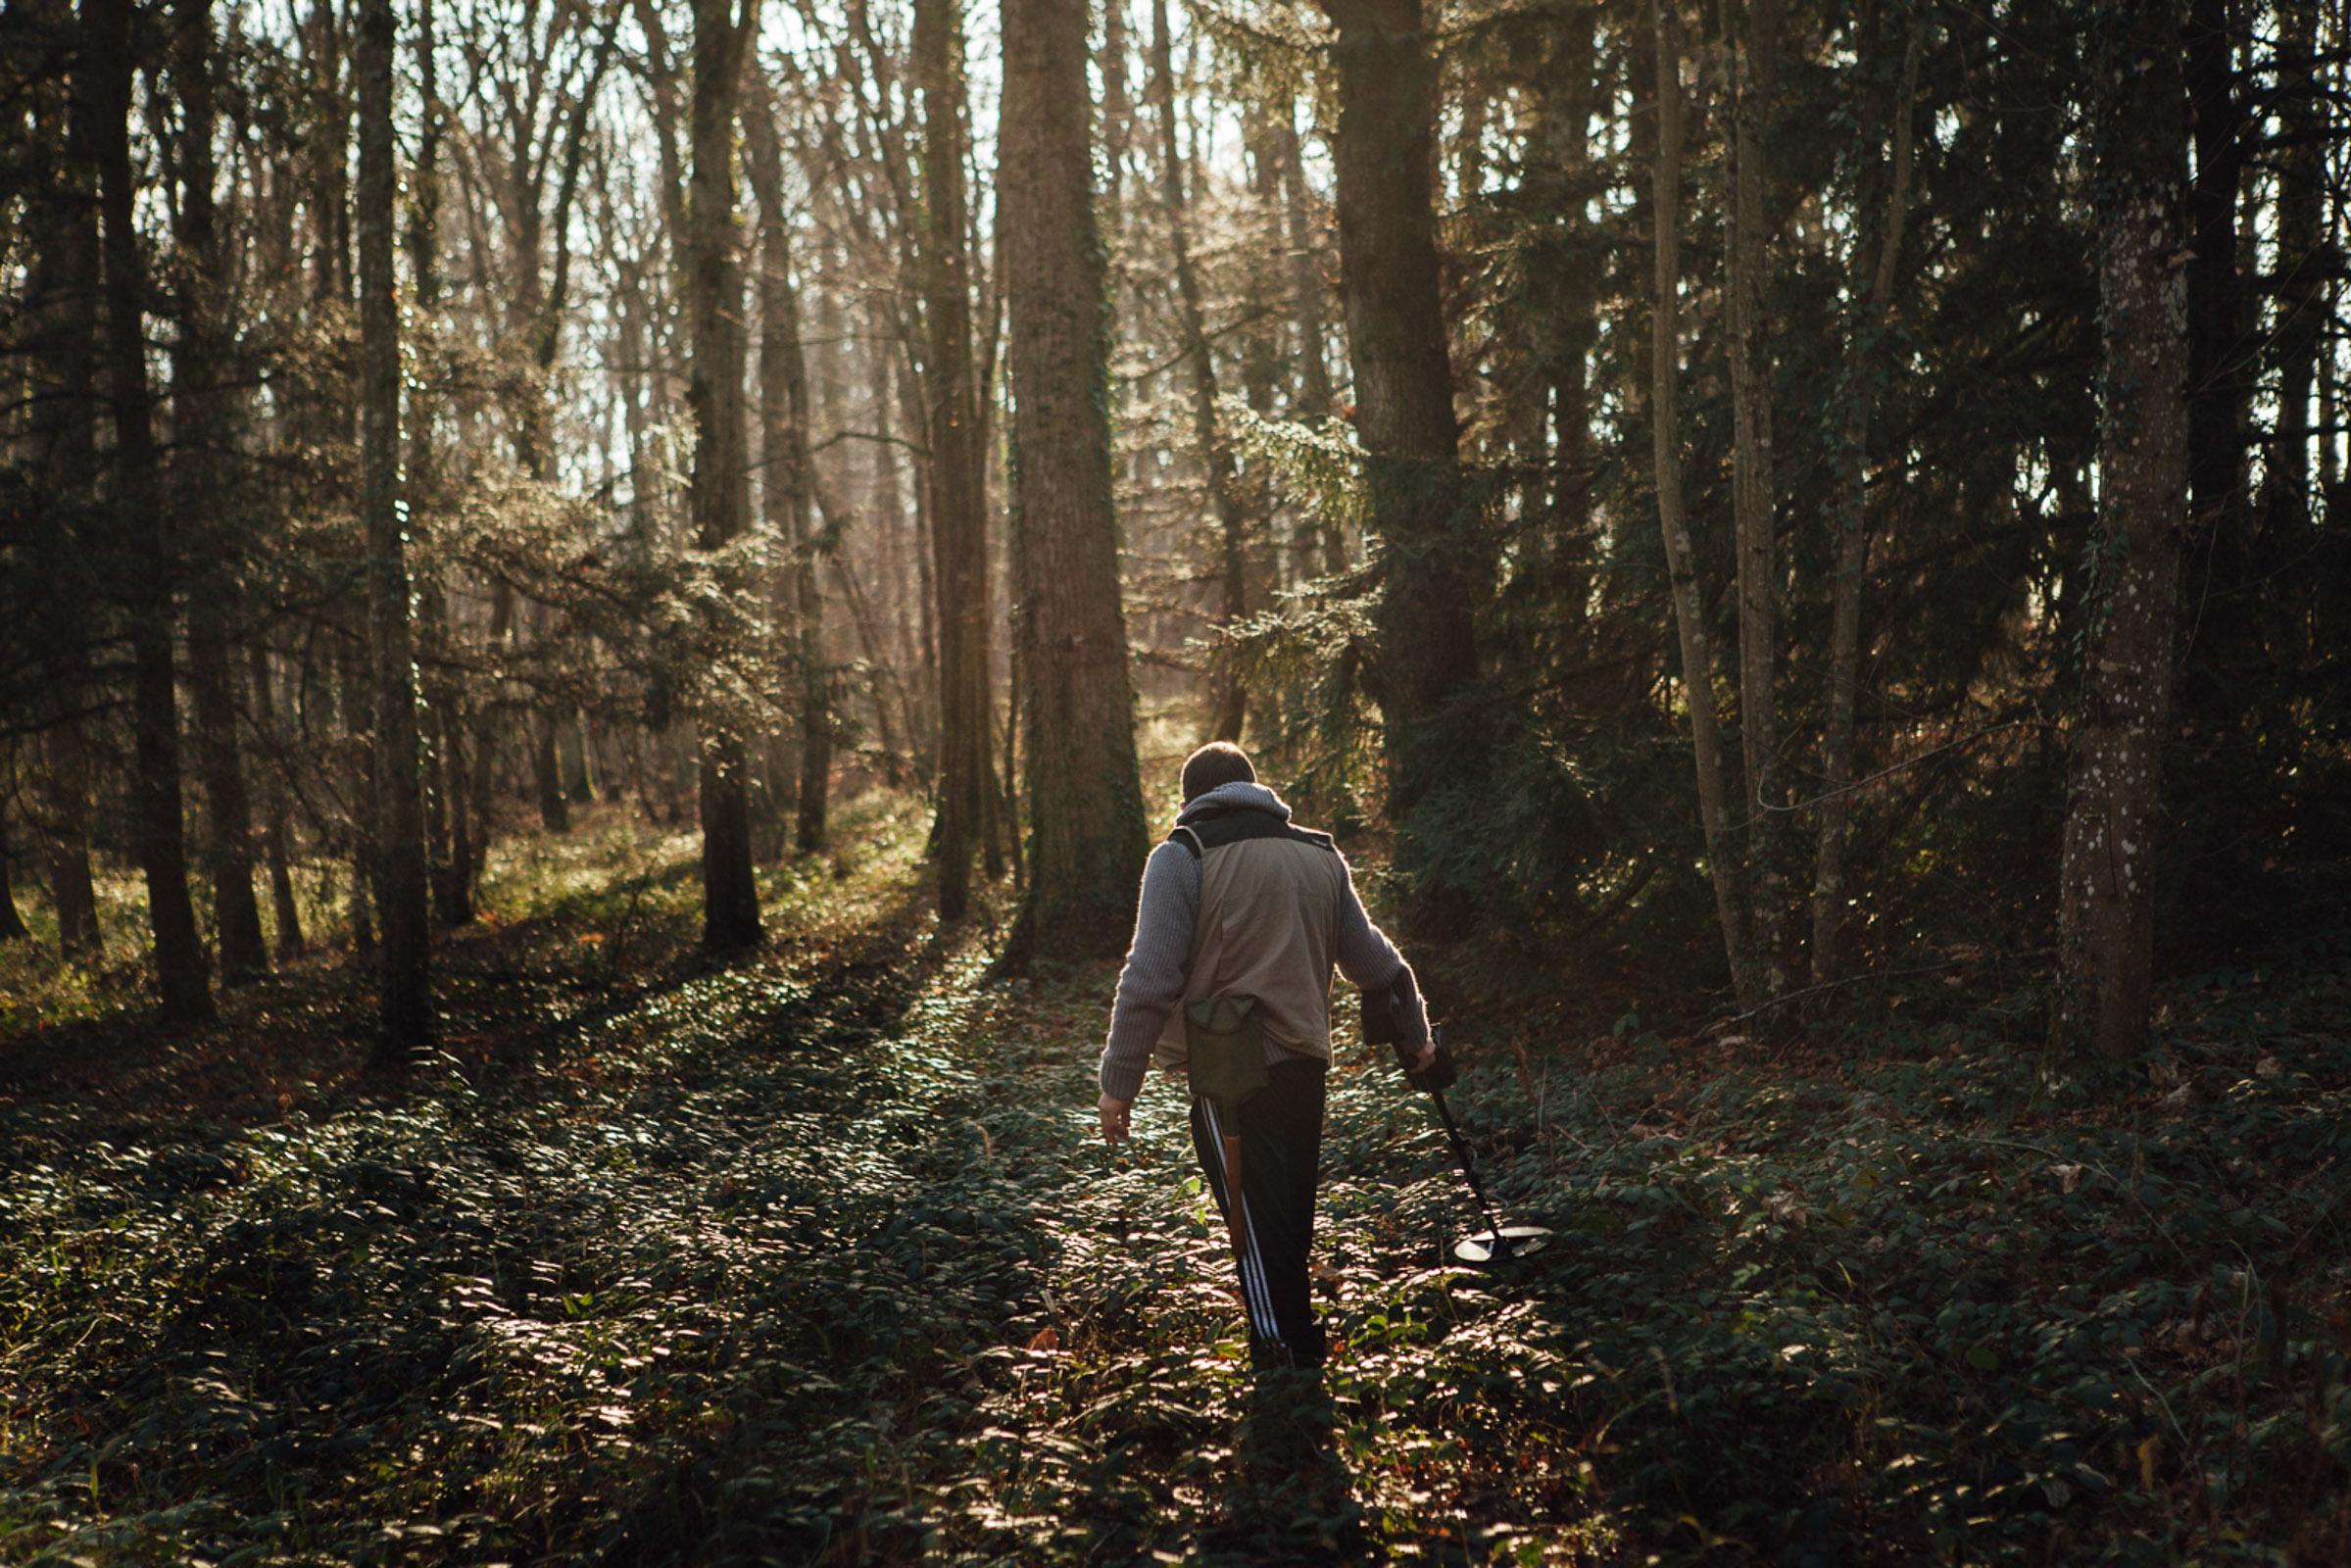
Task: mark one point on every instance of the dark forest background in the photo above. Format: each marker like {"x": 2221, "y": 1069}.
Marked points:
{"x": 678, "y": 462}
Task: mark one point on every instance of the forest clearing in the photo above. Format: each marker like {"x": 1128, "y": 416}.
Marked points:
{"x": 815, "y": 1257}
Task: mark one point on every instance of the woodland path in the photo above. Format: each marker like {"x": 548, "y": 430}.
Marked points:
{"x": 818, "y": 1259}
{"x": 812, "y": 1258}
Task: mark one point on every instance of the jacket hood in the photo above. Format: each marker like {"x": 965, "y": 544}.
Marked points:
{"x": 1228, "y": 797}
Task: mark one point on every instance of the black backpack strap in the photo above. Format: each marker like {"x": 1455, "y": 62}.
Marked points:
{"x": 1189, "y": 838}
{"x": 1214, "y": 829}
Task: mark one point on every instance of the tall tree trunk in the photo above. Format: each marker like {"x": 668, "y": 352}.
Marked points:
{"x": 470, "y": 835}
{"x": 925, "y": 553}
{"x": 546, "y": 770}
{"x": 197, "y": 375}
{"x": 2223, "y": 349}
{"x": 572, "y": 753}
{"x": 2106, "y": 909}
{"x": 790, "y": 489}
{"x": 402, "y": 904}
{"x": 1087, "y": 826}
{"x": 1757, "y": 46}
{"x": 1313, "y": 400}
{"x": 1865, "y": 360}
{"x": 721, "y": 504}
{"x": 12, "y": 924}
{"x": 1689, "y": 615}
{"x": 355, "y": 679}
{"x": 873, "y": 641}
{"x": 1119, "y": 109}
{"x": 958, "y": 490}
{"x": 1228, "y": 698}
{"x": 276, "y": 810}
{"x": 61, "y": 334}
{"x": 330, "y": 151}
{"x": 1262, "y": 369}
{"x": 2302, "y": 265}
{"x": 1384, "y": 154}
{"x": 447, "y": 825}
{"x": 179, "y": 957}
{"x": 68, "y": 796}
{"x": 213, "y": 685}
{"x": 895, "y": 534}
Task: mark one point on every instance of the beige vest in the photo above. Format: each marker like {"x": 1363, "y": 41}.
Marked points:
{"x": 1268, "y": 920}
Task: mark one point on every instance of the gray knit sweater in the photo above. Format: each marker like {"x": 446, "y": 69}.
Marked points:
{"x": 1152, "y": 985}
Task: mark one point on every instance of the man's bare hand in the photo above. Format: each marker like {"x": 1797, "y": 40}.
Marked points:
{"x": 1427, "y": 1058}
{"x": 1114, "y": 1114}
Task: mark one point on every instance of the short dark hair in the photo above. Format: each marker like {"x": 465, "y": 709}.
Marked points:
{"x": 1217, "y": 763}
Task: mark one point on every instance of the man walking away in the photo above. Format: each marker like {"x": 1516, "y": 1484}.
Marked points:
{"x": 1241, "y": 921}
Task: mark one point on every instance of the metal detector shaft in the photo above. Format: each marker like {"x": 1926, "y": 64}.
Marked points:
{"x": 1467, "y": 1160}
{"x": 1433, "y": 1079}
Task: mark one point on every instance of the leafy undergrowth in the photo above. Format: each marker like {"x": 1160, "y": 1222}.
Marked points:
{"x": 815, "y": 1259}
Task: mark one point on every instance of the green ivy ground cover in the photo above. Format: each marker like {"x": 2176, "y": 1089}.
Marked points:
{"x": 817, "y": 1259}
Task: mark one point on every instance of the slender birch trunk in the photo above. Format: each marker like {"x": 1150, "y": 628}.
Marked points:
{"x": 1697, "y": 652}
{"x": 1864, "y": 369}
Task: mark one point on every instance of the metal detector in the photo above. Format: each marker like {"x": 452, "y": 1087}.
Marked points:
{"x": 1498, "y": 1246}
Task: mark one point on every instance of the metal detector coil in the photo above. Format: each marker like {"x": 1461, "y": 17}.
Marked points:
{"x": 1497, "y": 1245}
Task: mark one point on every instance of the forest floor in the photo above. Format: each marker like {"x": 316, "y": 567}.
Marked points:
{"x": 816, "y": 1257}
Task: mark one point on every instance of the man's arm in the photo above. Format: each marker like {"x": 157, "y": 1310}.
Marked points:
{"x": 1152, "y": 985}
{"x": 1367, "y": 958}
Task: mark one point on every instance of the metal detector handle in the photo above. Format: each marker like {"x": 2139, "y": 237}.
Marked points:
{"x": 1439, "y": 1075}
{"x": 1379, "y": 1029}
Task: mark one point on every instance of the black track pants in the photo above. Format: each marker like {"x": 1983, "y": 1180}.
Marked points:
{"x": 1281, "y": 1154}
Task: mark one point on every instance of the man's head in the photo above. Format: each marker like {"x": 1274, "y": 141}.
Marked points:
{"x": 1217, "y": 763}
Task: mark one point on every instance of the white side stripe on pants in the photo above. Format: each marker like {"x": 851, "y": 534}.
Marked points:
{"x": 1259, "y": 1300}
